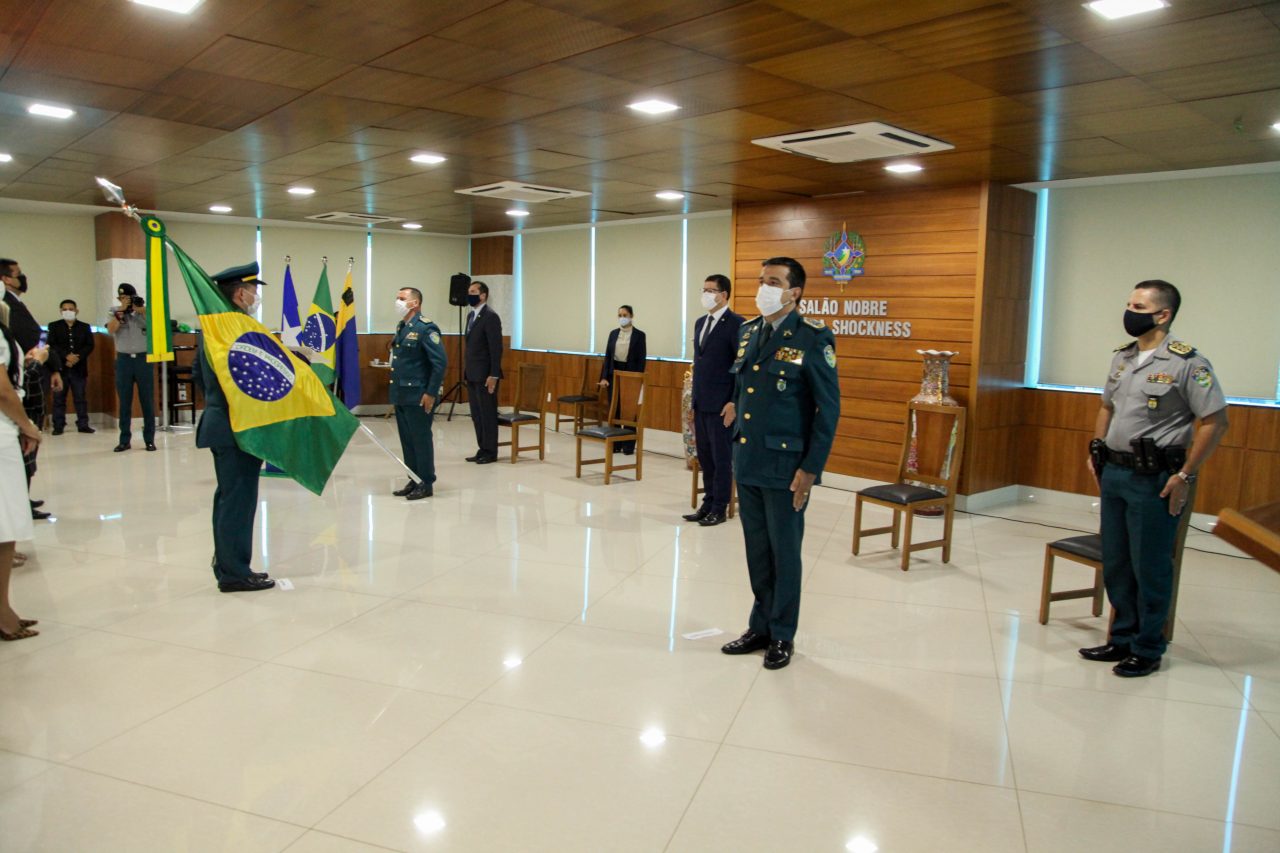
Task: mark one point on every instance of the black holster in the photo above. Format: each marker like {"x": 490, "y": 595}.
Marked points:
{"x": 1098, "y": 453}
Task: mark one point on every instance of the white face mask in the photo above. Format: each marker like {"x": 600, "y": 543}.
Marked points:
{"x": 624, "y": 321}
{"x": 769, "y": 299}
{"x": 402, "y": 308}
{"x": 254, "y": 302}
{"x": 709, "y": 300}
{"x": 69, "y": 316}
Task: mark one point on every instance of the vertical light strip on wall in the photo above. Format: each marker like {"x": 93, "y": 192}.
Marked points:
{"x": 257, "y": 312}
{"x": 517, "y": 285}
{"x": 591, "y": 307}
{"x": 368, "y": 282}
{"x": 1035, "y": 323}
{"x": 684, "y": 288}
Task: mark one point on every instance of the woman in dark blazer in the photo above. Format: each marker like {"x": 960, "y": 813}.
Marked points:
{"x": 625, "y": 351}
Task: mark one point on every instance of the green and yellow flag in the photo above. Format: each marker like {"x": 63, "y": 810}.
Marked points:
{"x": 280, "y": 412}
{"x": 320, "y": 331}
{"x": 159, "y": 333}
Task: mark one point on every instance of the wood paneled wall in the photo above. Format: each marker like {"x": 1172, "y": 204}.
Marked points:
{"x": 932, "y": 254}
{"x": 492, "y": 256}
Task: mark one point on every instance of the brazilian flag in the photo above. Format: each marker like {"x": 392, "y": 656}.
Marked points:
{"x": 320, "y": 331}
{"x": 280, "y": 412}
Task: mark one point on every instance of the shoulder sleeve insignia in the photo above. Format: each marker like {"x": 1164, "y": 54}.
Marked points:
{"x": 1203, "y": 377}
{"x": 435, "y": 337}
{"x": 830, "y": 354}
{"x": 817, "y": 324}
{"x": 1183, "y": 349}
{"x": 1124, "y": 347}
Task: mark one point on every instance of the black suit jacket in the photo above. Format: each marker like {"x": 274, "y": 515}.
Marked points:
{"x": 713, "y": 384}
{"x": 66, "y": 340}
{"x": 26, "y": 331}
{"x": 635, "y": 355}
{"x": 484, "y": 347}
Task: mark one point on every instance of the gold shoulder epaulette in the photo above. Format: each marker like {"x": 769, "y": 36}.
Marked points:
{"x": 1183, "y": 349}
{"x": 1124, "y": 347}
{"x": 817, "y": 324}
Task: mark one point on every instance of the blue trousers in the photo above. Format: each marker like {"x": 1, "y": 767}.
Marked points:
{"x": 1138, "y": 535}
{"x": 773, "y": 533}
{"x": 715, "y": 458}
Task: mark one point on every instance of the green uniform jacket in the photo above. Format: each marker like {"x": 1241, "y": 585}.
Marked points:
{"x": 418, "y": 362}
{"x": 788, "y": 401}
{"x": 215, "y": 424}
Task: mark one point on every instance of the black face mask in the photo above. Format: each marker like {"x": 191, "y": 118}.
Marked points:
{"x": 1138, "y": 324}
{"x": 22, "y": 283}
{"x": 473, "y": 299}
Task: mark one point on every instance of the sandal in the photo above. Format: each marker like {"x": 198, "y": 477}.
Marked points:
{"x": 20, "y": 634}
{"x": 19, "y": 559}
{"x": 28, "y": 623}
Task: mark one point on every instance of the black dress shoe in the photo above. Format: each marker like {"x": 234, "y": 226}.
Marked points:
{"x": 712, "y": 519}
{"x": 408, "y": 487}
{"x": 86, "y": 429}
{"x": 749, "y": 642}
{"x": 253, "y": 583}
{"x": 1105, "y": 654}
{"x": 479, "y": 455}
{"x": 1136, "y": 666}
{"x": 39, "y": 514}
{"x": 779, "y": 654}
{"x": 58, "y": 430}
{"x": 420, "y": 492}
{"x": 37, "y": 504}
{"x": 151, "y": 445}
{"x": 122, "y": 446}
{"x": 486, "y": 459}
{"x": 702, "y": 513}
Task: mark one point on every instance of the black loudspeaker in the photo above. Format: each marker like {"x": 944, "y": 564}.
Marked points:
{"x": 458, "y": 284}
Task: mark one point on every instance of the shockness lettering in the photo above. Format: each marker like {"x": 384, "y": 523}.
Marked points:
{"x": 848, "y": 309}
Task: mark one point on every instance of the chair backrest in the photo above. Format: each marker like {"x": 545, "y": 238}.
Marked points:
{"x": 531, "y": 388}
{"x": 626, "y": 406}
{"x": 591, "y": 368}
{"x": 933, "y": 446}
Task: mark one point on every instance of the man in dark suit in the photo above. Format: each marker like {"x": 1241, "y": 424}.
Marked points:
{"x": 235, "y": 503}
{"x": 37, "y": 382}
{"x": 482, "y": 370}
{"x": 71, "y": 339}
{"x": 715, "y": 344}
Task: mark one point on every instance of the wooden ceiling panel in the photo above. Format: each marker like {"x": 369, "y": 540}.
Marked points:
{"x": 1067, "y": 65}
{"x": 564, "y": 84}
{"x": 194, "y": 111}
{"x": 107, "y": 25}
{"x": 1076, "y": 22}
{"x": 931, "y": 89}
{"x": 93, "y": 66}
{"x": 247, "y": 95}
{"x": 249, "y": 60}
{"x": 818, "y": 110}
{"x": 64, "y": 90}
{"x": 143, "y": 138}
{"x": 1103, "y": 96}
{"x": 532, "y": 30}
{"x": 451, "y": 60}
{"x": 1232, "y": 77}
{"x": 979, "y": 35}
{"x": 864, "y": 17}
{"x": 586, "y": 122}
{"x": 648, "y": 62}
{"x": 840, "y": 65}
{"x": 1246, "y": 116}
{"x": 484, "y": 102}
{"x": 733, "y": 125}
{"x": 426, "y": 128}
{"x": 1214, "y": 39}
{"x": 1145, "y": 119}
{"x": 750, "y": 33}
{"x": 391, "y": 87}
{"x": 637, "y": 16}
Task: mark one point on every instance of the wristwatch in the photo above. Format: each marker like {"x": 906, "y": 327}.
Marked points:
{"x": 1187, "y": 478}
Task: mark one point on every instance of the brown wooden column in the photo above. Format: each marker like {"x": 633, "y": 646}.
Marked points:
{"x": 121, "y": 252}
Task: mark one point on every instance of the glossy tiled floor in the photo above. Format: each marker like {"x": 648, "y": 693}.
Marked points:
{"x": 504, "y": 667}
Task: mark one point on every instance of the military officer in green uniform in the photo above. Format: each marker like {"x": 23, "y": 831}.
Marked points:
{"x": 787, "y": 402}
{"x": 235, "y": 502}
{"x": 418, "y": 363}
{"x": 1163, "y": 412}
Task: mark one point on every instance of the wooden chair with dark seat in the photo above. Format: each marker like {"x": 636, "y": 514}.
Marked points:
{"x": 624, "y": 422}
{"x": 529, "y": 407}
{"x": 585, "y": 405}
{"x": 1087, "y": 550}
{"x": 927, "y": 480}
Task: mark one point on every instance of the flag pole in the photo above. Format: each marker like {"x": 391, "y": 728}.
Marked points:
{"x": 386, "y": 450}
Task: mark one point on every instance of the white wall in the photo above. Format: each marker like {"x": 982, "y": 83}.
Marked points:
{"x": 1217, "y": 239}
{"x": 57, "y": 254}
{"x": 423, "y": 261}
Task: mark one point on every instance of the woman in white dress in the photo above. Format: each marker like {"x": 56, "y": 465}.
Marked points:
{"x": 17, "y": 435}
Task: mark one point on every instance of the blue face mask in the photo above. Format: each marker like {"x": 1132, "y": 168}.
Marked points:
{"x": 473, "y": 299}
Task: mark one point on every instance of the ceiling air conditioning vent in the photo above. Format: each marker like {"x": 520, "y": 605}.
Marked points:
{"x": 519, "y": 191}
{"x": 338, "y": 217}
{"x": 868, "y": 141}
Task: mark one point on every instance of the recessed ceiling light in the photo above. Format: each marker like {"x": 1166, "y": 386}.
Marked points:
{"x": 219, "y": 208}
{"x": 183, "y": 7}
{"x": 903, "y": 168}
{"x": 301, "y": 191}
{"x": 653, "y": 737}
{"x": 517, "y": 213}
{"x": 429, "y": 823}
{"x": 6, "y": 158}
{"x": 50, "y": 111}
{"x": 653, "y": 107}
{"x": 430, "y": 159}
{"x": 861, "y": 844}
{"x": 670, "y": 195}
{"x": 412, "y": 226}
{"x": 1113, "y": 9}
{"x": 1275, "y": 126}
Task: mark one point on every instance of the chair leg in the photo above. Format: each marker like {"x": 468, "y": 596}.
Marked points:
{"x": 578, "y": 471}
{"x": 640, "y": 458}
{"x": 897, "y": 519}
{"x": 608, "y": 461}
{"x": 1098, "y": 590}
{"x": 515, "y": 442}
{"x": 542, "y": 440}
{"x": 857, "y": 523}
{"x": 949, "y": 509}
{"x": 906, "y": 536}
{"x": 1046, "y": 587}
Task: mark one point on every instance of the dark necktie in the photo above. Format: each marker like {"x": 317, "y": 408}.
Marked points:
{"x": 471, "y": 321}
{"x": 765, "y": 333}
{"x": 706, "y": 331}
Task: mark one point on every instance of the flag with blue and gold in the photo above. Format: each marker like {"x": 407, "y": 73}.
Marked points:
{"x": 320, "y": 332}
{"x": 280, "y": 411}
{"x": 348, "y": 348}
